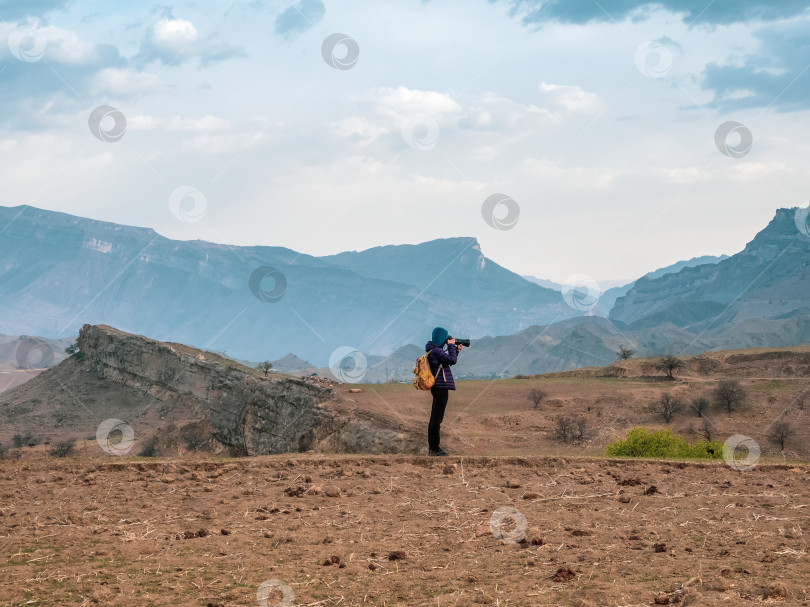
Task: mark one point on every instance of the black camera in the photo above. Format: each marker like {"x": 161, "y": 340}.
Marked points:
{"x": 460, "y": 341}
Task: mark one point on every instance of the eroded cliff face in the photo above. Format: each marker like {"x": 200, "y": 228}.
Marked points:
{"x": 769, "y": 279}
{"x": 248, "y": 412}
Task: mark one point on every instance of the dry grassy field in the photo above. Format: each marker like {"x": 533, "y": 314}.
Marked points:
{"x": 513, "y": 517}
{"x": 389, "y": 530}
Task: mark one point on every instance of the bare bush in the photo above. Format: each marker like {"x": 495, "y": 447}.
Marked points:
{"x": 570, "y": 429}
{"x": 667, "y": 406}
{"x": 149, "y": 447}
{"x": 700, "y": 405}
{"x": 63, "y": 448}
{"x": 536, "y": 396}
{"x": 730, "y": 394}
{"x": 625, "y": 353}
{"x": 707, "y": 430}
{"x": 780, "y": 432}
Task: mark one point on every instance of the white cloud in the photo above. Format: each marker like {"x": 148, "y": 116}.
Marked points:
{"x": 572, "y": 98}
{"x": 60, "y": 46}
{"x": 123, "y": 82}
{"x": 173, "y": 41}
{"x": 225, "y": 144}
{"x": 400, "y": 102}
{"x": 173, "y": 35}
{"x": 178, "y": 123}
{"x": 360, "y": 128}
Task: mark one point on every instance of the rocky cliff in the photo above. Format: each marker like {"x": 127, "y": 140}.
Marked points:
{"x": 769, "y": 279}
{"x": 149, "y": 384}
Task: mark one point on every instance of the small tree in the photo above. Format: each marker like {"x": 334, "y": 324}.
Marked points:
{"x": 707, "y": 430}
{"x": 625, "y": 353}
{"x": 730, "y": 394}
{"x": 780, "y": 432}
{"x": 265, "y": 367}
{"x": 669, "y": 365}
{"x": 72, "y": 349}
{"x": 699, "y": 406}
{"x": 570, "y": 429}
{"x": 63, "y": 448}
{"x": 667, "y": 406}
{"x": 536, "y": 396}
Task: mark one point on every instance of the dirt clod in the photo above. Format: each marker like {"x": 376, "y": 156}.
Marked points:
{"x": 396, "y": 555}
{"x": 777, "y": 590}
{"x": 564, "y": 574}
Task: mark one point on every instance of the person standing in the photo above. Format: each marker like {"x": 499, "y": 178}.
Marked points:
{"x": 440, "y": 361}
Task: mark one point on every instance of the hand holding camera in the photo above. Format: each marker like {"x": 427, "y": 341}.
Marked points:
{"x": 458, "y": 342}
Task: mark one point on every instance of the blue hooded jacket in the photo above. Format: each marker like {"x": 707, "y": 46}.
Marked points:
{"x": 437, "y": 357}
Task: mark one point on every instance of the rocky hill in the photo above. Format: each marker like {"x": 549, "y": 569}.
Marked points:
{"x": 768, "y": 281}
{"x": 185, "y": 396}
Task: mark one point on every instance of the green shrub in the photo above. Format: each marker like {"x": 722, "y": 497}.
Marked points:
{"x": 641, "y": 442}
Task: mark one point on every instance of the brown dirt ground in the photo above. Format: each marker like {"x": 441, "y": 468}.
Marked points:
{"x": 400, "y": 530}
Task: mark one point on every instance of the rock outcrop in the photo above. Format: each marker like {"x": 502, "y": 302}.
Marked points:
{"x": 241, "y": 409}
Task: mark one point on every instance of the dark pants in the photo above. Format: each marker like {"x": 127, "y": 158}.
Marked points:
{"x": 436, "y": 416}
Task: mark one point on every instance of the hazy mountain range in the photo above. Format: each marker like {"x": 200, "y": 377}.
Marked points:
{"x": 612, "y": 290}
{"x": 262, "y": 303}
{"x": 60, "y": 271}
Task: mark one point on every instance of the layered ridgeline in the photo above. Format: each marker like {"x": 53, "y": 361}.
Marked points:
{"x": 757, "y": 297}
{"x": 61, "y": 271}
{"x": 609, "y": 295}
{"x": 760, "y": 296}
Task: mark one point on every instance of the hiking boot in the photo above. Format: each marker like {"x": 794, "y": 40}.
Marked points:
{"x": 437, "y": 453}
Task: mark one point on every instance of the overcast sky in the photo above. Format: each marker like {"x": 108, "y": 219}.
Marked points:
{"x": 248, "y": 122}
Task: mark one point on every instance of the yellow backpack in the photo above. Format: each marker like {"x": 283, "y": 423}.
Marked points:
{"x": 423, "y": 379}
